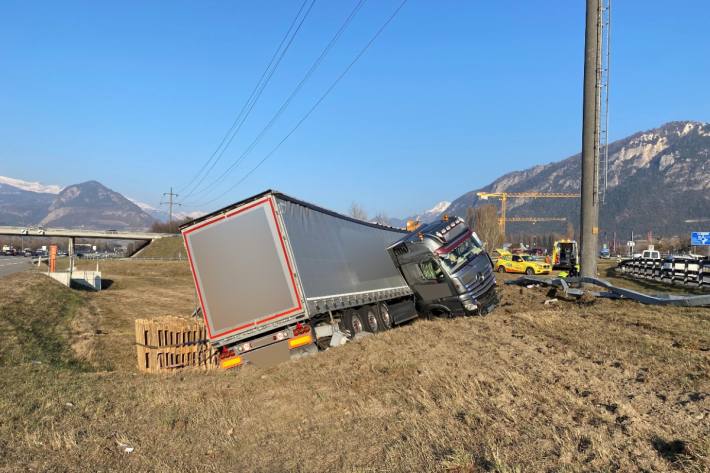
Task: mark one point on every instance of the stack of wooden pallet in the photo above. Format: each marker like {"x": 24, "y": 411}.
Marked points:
{"x": 169, "y": 343}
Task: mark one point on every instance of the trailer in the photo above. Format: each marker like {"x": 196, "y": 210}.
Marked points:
{"x": 277, "y": 277}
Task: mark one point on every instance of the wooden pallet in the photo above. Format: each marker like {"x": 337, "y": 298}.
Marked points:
{"x": 169, "y": 343}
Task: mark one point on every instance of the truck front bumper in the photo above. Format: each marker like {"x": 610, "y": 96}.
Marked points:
{"x": 481, "y": 305}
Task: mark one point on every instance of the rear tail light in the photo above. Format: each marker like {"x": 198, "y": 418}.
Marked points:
{"x": 300, "y": 329}
{"x": 280, "y": 336}
{"x": 300, "y": 341}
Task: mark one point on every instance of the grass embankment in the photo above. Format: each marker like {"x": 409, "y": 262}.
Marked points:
{"x": 612, "y": 385}
{"x": 38, "y": 322}
{"x": 168, "y": 247}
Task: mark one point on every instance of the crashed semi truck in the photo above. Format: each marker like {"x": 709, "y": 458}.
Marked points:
{"x": 277, "y": 277}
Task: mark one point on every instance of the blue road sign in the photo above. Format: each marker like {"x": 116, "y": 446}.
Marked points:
{"x": 700, "y": 238}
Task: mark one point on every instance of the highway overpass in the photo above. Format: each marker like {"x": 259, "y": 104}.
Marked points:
{"x": 81, "y": 233}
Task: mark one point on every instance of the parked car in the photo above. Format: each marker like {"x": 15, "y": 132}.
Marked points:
{"x": 522, "y": 263}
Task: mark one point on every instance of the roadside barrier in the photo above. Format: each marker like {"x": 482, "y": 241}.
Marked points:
{"x": 169, "y": 343}
{"x": 678, "y": 270}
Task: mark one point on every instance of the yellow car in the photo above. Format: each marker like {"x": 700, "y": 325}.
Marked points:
{"x": 522, "y": 263}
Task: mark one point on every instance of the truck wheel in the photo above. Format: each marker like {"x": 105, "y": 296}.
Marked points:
{"x": 369, "y": 318}
{"x": 529, "y": 271}
{"x": 501, "y": 269}
{"x": 353, "y": 322}
{"x": 384, "y": 316}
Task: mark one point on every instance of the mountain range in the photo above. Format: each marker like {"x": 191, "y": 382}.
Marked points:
{"x": 658, "y": 180}
{"x": 425, "y": 217}
{"x": 86, "y": 205}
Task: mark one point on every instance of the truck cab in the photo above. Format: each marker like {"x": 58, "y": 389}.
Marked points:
{"x": 446, "y": 267}
{"x": 650, "y": 254}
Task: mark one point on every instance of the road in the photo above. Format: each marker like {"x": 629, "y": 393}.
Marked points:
{"x": 13, "y": 264}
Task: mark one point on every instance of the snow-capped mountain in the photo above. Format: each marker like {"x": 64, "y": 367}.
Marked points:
{"x": 425, "y": 217}
{"x": 433, "y": 212}
{"x": 162, "y": 214}
{"x": 31, "y": 186}
{"x": 86, "y": 205}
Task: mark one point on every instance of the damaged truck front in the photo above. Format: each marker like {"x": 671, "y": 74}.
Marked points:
{"x": 277, "y": 278}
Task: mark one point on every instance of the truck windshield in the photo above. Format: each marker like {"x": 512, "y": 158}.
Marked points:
{"x": 458, "y": 256}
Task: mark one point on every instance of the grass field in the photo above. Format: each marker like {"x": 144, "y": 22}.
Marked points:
{"x": 602, "y": 386}
{"x": 169, "y": 247}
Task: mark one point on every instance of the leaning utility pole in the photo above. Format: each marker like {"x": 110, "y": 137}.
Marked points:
{"x": 590, "y": 158}
{"x": 170, "y": 204}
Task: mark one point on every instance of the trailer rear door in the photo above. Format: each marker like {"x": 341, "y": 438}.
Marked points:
{"x": 242, "y": 271}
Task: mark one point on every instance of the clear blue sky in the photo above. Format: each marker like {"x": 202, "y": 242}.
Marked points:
{"x": 138, "y": 94}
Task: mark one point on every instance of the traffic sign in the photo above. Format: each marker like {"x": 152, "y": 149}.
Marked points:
{"x": 631, "y": 243}
{"x": 700, "y": 238}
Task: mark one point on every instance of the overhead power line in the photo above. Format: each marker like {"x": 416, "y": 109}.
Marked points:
{"x": 315, "y": 105}
{"x": 253, "y": 98}
{"x": 211, "y": 186}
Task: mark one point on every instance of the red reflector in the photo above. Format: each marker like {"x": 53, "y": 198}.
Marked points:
{"x": 301, "y": 329}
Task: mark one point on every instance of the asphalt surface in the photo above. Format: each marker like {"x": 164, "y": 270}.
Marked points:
{"x": 13, "y": 264}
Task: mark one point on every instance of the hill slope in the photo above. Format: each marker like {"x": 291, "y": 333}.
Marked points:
{"x": 21, "y": 207}
{"x": 86, "y": 205}
{"x": 657, "y": 180}
{"x": 91, "y": 204}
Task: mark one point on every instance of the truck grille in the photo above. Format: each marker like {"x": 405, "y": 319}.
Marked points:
{"x": 483, "y": 284}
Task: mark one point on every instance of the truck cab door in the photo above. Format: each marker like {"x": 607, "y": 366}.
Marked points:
{"x": 433, "y": 284}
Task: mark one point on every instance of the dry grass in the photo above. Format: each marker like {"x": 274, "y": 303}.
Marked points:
{"x": 610, "y": 386}
{"x": 169, "y": 247}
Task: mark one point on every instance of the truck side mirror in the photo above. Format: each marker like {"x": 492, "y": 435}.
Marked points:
{"x": 476, "y": 239}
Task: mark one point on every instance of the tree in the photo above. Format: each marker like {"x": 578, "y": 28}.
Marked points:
{"x": 167, "y": 227}
{"x": 382, "y": 219}
{"x": 356, "y": 211}
{"x": 569, "y": 234}
{"x": 484, "y": 221}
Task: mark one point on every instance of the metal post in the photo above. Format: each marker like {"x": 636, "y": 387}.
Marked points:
{"x": 70, "y": 252}
{"x": 170, "y": 217}
{"x": 170, "y": 203}
{"x": 589, "y": 228}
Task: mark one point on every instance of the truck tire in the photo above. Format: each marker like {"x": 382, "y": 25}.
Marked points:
{"x": 383, "y": 313}
{"x": 529, "y": 271}
{"x": 352, "y": 322}
{"x": 370, "y": 321}
{"x": 501, "y": 269}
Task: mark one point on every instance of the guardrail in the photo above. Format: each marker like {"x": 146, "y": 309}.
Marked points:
{"x": 677, "y": 270}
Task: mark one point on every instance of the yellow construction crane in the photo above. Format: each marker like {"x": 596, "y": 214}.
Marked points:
{"x": 503, "y": 196}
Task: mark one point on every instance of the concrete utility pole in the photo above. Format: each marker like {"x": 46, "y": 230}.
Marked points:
{"x": 589, "y": 228}
{"x": 170, "y": 204}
